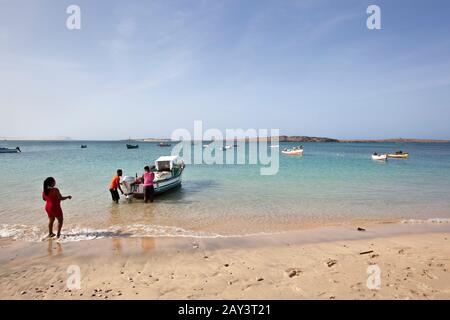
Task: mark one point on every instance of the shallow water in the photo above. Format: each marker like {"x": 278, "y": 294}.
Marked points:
{"x": 333, "y": 183}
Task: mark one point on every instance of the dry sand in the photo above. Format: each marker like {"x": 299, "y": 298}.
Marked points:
{"x": 413, "y": 266}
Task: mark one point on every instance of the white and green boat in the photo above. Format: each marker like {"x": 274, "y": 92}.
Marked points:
{"x": 168, "y": 175}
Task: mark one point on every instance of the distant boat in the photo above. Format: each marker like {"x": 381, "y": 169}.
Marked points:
{"x": 398, "y": 155}
{"x": 83, "y": 146}
{"x": 295, "y": 151}
{"x": 379, "y": 157}
{"x": 132, "y": 146}
{"x": 226, "y": 147}
{"x": 164, "y": 144}
{"x": 8, "y": 150}
{"x": 275, "y": 146}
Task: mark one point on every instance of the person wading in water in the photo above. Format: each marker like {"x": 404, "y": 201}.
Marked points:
{"x": 53, "y": 198}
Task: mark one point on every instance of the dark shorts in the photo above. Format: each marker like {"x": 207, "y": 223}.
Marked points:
{"x": 115, "y": 195}
{"x": 149, "y": 193}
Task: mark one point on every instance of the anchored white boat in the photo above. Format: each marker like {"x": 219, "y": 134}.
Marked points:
{"x": 295, "y": 151}
{"x": 168, "y": 172}
{"x": 226, "y": 147}
{"x": 380, "y": 157}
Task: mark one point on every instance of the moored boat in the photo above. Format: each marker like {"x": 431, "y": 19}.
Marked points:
{"x": 132, "y": 146}
{"x": 8, "y": 150}
{"x": 168, "y": 175}
{"x": 380, "y": 157}
{"x": 399, "y": 155}
{"x": 164, "y": 144}
{"x": 295, "y": 151}
{"x": 226, "y": 147}
{"x": 83, "y": 146}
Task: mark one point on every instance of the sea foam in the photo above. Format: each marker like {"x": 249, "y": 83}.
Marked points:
{"x": 430, "y": 221}
{"x": 36, "y": 234}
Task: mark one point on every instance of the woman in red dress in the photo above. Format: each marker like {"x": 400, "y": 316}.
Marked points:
{"x": 53, "y": 198}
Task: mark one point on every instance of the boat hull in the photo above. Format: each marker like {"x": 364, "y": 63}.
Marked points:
{"x": 293, "y": 153}
{"x": 398, "y": 156}
{"x": 168, "y": 184}
{"x": 9, "y": 151}
{"x": 159, "y": 186}
{"x": 381, "y": 157}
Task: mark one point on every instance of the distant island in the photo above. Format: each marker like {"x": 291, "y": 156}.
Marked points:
{"x": 36, "y": 138}
{"x": 325, "y": 139}
{"x": 282, "y": 138}
{"x": 305, "y": 139}
{"x": 399, "y": 140}
{"x": 285, "y": 138}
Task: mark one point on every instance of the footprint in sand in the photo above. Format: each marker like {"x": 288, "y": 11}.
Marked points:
{"x": 293, "y": 272}
{"x": 331, "y": 262}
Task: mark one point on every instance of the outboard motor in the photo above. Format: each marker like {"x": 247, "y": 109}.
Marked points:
{"x": 127, "y": 182}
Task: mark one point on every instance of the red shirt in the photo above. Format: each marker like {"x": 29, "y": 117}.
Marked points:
{"x": 148, "y": 179}
{"x": 53, "y": 204}
{"x": 114, "y": 183}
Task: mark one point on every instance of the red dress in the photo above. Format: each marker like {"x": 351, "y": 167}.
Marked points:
{"x": 53, "y": 204}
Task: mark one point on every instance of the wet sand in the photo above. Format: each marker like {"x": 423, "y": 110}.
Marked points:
{"x": 329, "y": 263}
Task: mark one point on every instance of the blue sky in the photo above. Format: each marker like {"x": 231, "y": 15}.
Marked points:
{"x": 145, "y": 68}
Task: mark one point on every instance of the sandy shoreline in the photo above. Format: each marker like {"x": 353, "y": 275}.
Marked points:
{"x": 319, "y": 264}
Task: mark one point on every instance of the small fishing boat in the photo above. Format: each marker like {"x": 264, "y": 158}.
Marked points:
{"x": 132, "y": 146}
{"x": 83, "y": 146}
{"x": 380, "y": 157}
{"x": 295, "y": 151}
{"x": 226, "y": 147}
{"x": 399, "y": 155}
{"x": 8, "y": 150}
{"x": 168, "y": 172}
{"x": 164, "y": 144}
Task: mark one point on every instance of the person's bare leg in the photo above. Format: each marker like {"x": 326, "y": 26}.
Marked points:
{"x": 50, "y": 227}
{"x": 60, "y": 224}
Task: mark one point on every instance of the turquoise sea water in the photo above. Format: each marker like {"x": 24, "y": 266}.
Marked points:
{"x": 333, "y": 183}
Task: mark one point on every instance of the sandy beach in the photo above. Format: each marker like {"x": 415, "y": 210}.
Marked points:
{"x": 317, "y": 264}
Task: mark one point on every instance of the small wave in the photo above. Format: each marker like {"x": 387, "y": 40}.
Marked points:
{"x": 36, "y": 234}
{"x": 430, "y": 221}
{"x": 19, "y": 231}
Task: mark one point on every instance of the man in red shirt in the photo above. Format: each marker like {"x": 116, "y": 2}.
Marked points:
{"x": 115, "y": 184}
